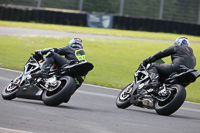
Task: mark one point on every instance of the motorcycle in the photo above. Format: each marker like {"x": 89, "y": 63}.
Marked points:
{"x": 166, "y": 99}
{"x": 54, "y": 90}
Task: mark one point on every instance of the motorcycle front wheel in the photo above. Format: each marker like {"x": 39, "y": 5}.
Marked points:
{"x": 61, "y": 94}
{"x": 9, "y": 92}
{"x": 123, "y": 99}
{"x": 173, "y": 103}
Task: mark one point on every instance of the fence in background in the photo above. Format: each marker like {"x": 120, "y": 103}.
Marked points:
{"x": 80, "y": 19}
{"x": 42, "y": 16}
{"x": 173, "y": 10}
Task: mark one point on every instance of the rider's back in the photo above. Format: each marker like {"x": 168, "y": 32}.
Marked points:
{"x": 183, "y": 55}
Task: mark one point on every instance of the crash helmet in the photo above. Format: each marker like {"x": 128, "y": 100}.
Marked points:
{"x": 75, "y": 43}
{"x": 182, "y": 41}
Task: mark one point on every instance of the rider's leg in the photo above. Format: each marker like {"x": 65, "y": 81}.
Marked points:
{"x": 166, "y": 69}
{"x": 158, "y": 70}
{"x": 50, "y": 59}
{"x": 154, "y": 75}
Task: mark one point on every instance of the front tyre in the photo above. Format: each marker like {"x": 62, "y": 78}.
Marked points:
{"x": 123, "y": 99}
{"x": 61, "y": 94}
{"x": 9, "y": 92}
{"x": 173, "y": 103}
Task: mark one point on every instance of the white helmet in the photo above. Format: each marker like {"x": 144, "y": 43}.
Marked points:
{"x": 182, "y": 41}
{"x": 76, "y": 43}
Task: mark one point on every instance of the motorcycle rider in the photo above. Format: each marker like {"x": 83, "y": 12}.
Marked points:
{"x": 181, "y": 55}
{"x": 73, "y": 53}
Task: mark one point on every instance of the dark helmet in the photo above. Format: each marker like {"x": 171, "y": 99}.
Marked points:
{"x": 182, "y": 41}
{"x": 76, "y": 43}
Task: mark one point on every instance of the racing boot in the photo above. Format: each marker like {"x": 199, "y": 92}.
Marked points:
{"x": 154, "y": 83}
{"x": 44, "y": 72}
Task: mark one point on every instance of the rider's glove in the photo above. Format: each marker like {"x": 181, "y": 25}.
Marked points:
{"x": 144, "y": 63}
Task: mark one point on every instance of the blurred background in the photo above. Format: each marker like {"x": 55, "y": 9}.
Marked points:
{"x": 155, "y": 13}
{"x": 174, "y": 10}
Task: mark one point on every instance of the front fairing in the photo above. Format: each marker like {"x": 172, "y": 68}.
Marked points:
{"x": 31, "y": 66}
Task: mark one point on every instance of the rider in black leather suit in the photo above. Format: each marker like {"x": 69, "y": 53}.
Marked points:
{"x": 181, "y": 55}
{"x": 73, "y": 53}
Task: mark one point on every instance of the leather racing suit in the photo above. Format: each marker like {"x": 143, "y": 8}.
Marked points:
{"x": 180, "y": 56}
{"x": 54, "y": 56}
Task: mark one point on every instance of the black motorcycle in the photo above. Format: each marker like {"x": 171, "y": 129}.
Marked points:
{"x": 54, "y": 90}
{"x": 166, "y": 99}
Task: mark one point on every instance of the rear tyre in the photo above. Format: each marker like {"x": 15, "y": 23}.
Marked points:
{"x": 123, "y": 99}
{"x": 61, "y": 94}
{"x": 9, "y": 92}
{"x": 173, "y": 103}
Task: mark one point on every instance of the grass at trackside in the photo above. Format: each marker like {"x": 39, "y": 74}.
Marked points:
{"x": 115, "y": 61}
{"x": 139, "y": 34}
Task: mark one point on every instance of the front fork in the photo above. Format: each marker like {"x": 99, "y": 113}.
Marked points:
{"x": 133, "y": 98}
{"x": 17, "y": 80}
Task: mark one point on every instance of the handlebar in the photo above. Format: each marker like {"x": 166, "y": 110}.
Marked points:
{"x": 142, "y": 67}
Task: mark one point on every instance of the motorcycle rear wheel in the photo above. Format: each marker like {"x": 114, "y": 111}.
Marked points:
{"x": 9, "y": 92}
{"x": 123, "y": 100}
{"x": 173, "y": 103}
{"x": 61, "y": 94}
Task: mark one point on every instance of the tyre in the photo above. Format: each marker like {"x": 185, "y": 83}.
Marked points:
{"x": 61, "y": 94}
{"x": 123, "y": 99}
{"x": 173, "y": 103}
{"x": 9, "y": 92}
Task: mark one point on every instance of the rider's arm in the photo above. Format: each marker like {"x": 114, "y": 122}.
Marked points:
{"x": 161, "y": 54}
{"x": 63, "y": 50}
{"x": 45, "y": 51}
{"x": 42, "y": 51}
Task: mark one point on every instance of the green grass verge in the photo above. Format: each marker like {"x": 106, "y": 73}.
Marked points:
{"x": 115, "y": 61}
{"x": 114, "y": 32}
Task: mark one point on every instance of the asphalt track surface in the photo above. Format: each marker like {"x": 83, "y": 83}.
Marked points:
{"x": 49, "y": 33}
{"x": 91, "y": 110}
